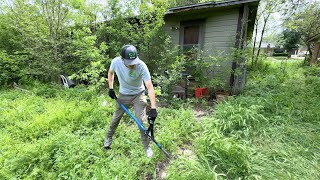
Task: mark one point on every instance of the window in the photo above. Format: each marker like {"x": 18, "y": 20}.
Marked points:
{"x": 191, "y": 36}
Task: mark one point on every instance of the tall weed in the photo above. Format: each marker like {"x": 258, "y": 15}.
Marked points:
{"x": 60, "y": 135}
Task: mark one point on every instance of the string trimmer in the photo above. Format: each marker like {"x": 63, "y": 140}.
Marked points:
{"x": 148, "y": 132}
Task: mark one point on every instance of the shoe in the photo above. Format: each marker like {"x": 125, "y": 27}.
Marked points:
{"x": 149, "y": 152}
{"x": 107, "y": 143}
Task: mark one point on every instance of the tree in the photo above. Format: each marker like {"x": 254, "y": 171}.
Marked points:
{"x": 289, "y": 40}
{"x": 306, "y": 22}
{"x": 266, "y": 9}
{"x": 41, "y": 37}
{"x": 144, "y": 30}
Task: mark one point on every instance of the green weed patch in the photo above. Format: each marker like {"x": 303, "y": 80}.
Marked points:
{"x": 271, "y": 131}
{"x": 58, "y": 134}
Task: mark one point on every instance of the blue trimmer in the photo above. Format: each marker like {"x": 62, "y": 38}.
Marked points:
{"x": 148, "y": 132}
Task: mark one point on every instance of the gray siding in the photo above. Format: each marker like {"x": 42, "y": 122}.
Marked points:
{"x": 221, "y": 30}
{"x": 218, "y": 36}
{"x": 172, "y": 32}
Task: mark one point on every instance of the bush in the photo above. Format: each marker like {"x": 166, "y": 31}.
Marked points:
{"x": 280, "y": 54}
{"x": 9, "y": 69}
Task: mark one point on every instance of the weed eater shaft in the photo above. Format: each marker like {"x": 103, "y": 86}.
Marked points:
{"x": 143, "y": 128}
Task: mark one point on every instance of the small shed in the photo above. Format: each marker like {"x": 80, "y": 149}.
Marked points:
{"x": 215, "y": 27}
{"x": 315, "y": 43}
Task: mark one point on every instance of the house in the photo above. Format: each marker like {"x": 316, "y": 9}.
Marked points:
{"x": 301, "y": 51}
{"x": 267, "y": 48}
{"x": 315, "y": 43}
{"x": 215, "y": 27}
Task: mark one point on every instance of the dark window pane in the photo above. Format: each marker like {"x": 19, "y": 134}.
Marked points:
{"x": 191, "y": 34}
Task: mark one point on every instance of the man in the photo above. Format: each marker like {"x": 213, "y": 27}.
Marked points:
{"x": 132, "y": 74}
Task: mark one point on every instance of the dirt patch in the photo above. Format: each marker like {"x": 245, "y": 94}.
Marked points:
{"x": 200, "y": 112}
{"x": 187, "y": 152}
{"x": 161, "y": 170}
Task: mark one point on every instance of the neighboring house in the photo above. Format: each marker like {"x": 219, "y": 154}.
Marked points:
{"x": 300, "y": 52}
{"x": 266, "y": 48}
{"x": 215, "y": 27}
{"x": 315, "y": 44}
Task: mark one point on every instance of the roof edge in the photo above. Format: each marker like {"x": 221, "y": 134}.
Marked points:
{"x": 208, "y": 5}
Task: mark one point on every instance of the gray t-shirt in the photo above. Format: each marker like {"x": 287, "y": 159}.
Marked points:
{"x": 131, "y": 80}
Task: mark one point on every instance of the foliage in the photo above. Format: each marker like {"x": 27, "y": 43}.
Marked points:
{"x": 84, "y": 49}
{"x": 9, "y": 69}
{"x": 58, "y": 133}
{"x": 306, "y": 22}
{"x": 48, "y": 38}
{"x": 265, "y": 10}
{"x": 170, "y": 76}
{"x": 212, "y": 71}
{"x": 92, "y": 75}
{"x": 143, "y": 31}
{"x": 49, "y": 132}
{"x": 289, "y": 40}
{"x": 54, "y": 133}
{"x": 262, "y": 134}
{"x": 209, "y": 71}
{"x": 280, "y": 54}
{"x": 41, "y": 33}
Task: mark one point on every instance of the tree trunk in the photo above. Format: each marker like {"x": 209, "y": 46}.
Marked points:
{"x": 262, "y": 33}
{"x": 308, "y": 57}
{"x": 254, "y": 43}
{"x": 315, "y": 53}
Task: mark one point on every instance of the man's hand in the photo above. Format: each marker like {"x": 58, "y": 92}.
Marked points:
{"x": 112, "y": 94}
{"x": 152, "y": 116}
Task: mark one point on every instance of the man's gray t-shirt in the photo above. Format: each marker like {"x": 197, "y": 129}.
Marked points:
{"x": 131, "y": 80}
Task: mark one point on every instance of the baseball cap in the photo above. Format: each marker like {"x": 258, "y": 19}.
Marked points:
{"x": 129, "y": 55}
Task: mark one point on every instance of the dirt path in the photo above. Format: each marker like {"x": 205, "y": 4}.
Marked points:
{"x": 186, "y": 150}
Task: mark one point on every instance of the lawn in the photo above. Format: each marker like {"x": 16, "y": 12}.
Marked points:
{"x": 271, "y": 131}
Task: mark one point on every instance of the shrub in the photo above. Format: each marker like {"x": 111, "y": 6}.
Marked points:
{"x": 280, "y": 54}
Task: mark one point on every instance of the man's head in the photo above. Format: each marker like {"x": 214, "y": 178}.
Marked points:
{"x": 129, "y": 55}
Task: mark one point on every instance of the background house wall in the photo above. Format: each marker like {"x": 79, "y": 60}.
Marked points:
{"x": 222, "y": 29}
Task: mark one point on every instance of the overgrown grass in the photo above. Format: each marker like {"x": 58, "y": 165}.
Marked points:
{"x": 272, "y": 131}
{"x": 58, "y": 133}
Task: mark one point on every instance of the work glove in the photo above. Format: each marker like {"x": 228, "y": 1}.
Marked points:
{"x": 112, "y": 94}
{"x": 152, "y": 116}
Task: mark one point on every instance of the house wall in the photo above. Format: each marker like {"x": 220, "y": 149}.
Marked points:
{"x": 218, "y": 36}
{"x": 220, "y": 29}
{"x": 172, "y": 27}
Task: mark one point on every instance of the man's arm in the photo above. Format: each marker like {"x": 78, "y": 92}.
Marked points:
{"x": 152, "y": 95}
{"x": 110, "y": 79}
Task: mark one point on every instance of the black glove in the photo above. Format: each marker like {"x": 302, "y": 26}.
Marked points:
{"x": 152, "y": 116}
{"x": 112, "y": 94}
